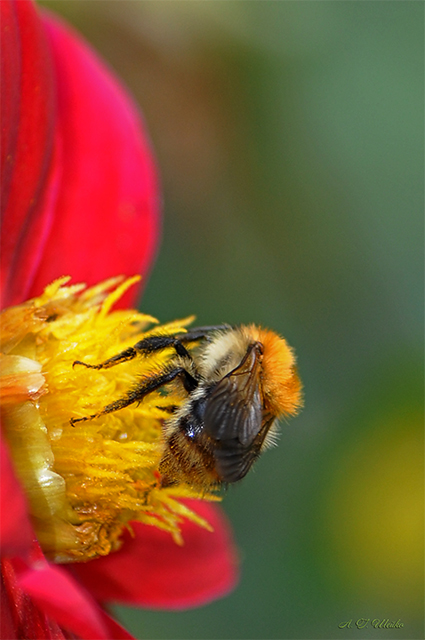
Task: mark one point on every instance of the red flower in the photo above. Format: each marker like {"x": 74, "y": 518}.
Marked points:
{"x": 79, "y": 197}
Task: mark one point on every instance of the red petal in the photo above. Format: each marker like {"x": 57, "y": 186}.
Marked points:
{"x": 152, "y": 571}
{"x": 115, "y": 630}
{"x": 7, "y": 625}
{"x": 106, "y": 216}
{"x": 27, "y": 144}
{"x": 59, "y": 597}
{"x": 20, "y": 617}
{"x": 79, "y": 189}
{"x": 15, "y": 529}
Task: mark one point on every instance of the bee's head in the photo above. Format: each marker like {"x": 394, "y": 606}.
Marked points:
{"x": 279, "y": 381}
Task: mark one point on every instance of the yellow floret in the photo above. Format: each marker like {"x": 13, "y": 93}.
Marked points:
{"x": 85, "y": 482}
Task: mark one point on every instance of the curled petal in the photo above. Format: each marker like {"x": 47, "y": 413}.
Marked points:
{"x": 152, "y": 571}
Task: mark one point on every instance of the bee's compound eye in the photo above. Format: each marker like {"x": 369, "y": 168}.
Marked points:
{"x": 260, "y": 348}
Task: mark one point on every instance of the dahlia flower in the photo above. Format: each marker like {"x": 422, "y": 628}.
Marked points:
{"x": 84, "y": 519}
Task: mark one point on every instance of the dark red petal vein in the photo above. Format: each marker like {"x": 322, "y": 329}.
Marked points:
{"x": 28, "y": 119}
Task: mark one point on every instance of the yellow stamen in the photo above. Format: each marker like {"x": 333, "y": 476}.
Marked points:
{"x": 86, "y": 482}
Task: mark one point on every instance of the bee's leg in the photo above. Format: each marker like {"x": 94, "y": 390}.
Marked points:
{"x": 123, "y": 356}
{"x": 198, "y": 333}
{"x": 152, "y": 344}
{"x": 147, "y": 385}
{"x": 143, "y": 347}
{"x": 169, "y": 408}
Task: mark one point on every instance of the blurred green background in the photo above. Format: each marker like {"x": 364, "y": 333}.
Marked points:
{"x": 289, "y": 137}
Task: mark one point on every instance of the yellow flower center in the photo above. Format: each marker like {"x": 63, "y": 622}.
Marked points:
{"x": 85, "y": 482}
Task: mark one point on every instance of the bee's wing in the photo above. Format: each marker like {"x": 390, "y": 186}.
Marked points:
{"x": 233, "y": 461}
{"x": 233, "y": 408}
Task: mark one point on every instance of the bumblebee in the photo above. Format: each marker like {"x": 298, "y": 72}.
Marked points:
{"x": 237, "y": 382}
